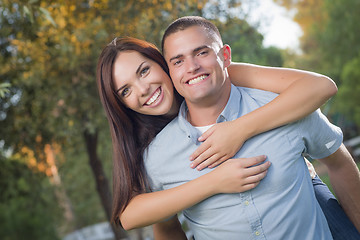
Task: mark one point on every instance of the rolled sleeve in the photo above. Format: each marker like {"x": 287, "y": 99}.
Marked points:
{"x": 321, "y": 137}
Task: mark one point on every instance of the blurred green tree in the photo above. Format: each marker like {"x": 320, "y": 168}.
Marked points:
{"x": 247, "y": 43}
{"x": 27, "y": 203}
{"x": 330, "y": 45}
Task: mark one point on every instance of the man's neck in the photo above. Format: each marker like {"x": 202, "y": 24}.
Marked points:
{"x": 205, "y": 113}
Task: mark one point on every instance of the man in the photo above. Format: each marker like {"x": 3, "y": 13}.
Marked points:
{"x": 283, "y": 205}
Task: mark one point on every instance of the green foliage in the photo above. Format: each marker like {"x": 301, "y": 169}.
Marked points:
{"x": 27, "y": 204}
{"x": 340, "y": 36}
{"x": 247, "y": 43}
{"x": 78, "y": 181}
{"x": 348, "y": 99}
{"x": 331, "y": 45}
{"x": 340, "y": 51}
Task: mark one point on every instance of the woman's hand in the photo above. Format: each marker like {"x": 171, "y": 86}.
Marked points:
{"x": 239, "y": 174}
{"x": 233, "y": 176}
{"x": 221, "y": 142}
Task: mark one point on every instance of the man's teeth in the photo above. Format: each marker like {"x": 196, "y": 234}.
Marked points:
{"x": 154, "y": 97}
{"x": 196, "y": 80}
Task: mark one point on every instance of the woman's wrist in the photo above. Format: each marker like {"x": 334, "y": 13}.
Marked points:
{"x": 212, "y": 183}
{"x": 245, "y": 126}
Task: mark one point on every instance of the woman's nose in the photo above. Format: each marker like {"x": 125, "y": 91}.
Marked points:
{"x": 143, "y": 87}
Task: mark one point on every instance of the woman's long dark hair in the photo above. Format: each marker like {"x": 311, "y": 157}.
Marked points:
{"x": 131, "y": 132}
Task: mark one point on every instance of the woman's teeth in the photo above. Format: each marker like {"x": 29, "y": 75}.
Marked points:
{"x": 197, "y": 80}
{"x": 154, "y": 97}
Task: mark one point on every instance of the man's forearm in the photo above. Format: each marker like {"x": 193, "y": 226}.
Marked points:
{"x": 345, "y": 180}
{"x": 170, "y": 229}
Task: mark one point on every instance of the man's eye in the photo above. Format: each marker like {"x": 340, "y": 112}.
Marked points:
{"x": 177, "y": 62}
{"x": 144, "y": 71}
{"x": 202, "y": 53}
{"x": 125, "y": 92}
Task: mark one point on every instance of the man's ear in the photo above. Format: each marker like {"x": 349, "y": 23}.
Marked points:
{"x": 227, "y": 55}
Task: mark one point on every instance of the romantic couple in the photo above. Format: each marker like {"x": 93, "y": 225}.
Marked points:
{"x": 226, "y": 146}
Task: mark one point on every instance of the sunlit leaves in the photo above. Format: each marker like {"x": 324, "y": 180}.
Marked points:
{"x": 4, "y": 89}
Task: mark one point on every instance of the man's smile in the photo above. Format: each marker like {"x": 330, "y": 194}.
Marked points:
{"x": 197, "y": 79}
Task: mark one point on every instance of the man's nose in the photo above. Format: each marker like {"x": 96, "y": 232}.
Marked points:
{"x": 192, "y": 65}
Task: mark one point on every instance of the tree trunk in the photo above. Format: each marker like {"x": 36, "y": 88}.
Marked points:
{"x": 102, "y": 183}
{"x": 60, "y": 193}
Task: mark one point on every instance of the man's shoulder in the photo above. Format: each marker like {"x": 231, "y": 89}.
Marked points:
{"x": 257, "y": 96}
{"x": 257, "y": 93}
{"x": 168, "y": 132}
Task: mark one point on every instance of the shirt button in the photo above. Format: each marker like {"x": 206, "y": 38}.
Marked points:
{"x": 257, "y": 233}
{"x": 246, "y": 203}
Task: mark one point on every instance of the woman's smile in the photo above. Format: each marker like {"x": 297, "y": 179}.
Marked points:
{"x": 155, "y": 99}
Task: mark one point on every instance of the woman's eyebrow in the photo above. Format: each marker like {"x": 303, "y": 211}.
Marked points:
{"x": 138, "y": 69}
{"x": 137, "y": 72}
{"x": 120, "y": 88}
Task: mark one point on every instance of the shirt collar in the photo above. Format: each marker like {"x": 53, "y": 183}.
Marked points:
{"x": 191, "y": 132}
{"x": 232, "y": 108}
{"x": 230, "y": 112}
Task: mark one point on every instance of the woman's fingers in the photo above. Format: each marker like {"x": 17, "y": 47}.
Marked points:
{"x": 206, "y": 134}
{"x": 200, "y": 153}
{"x": 211, "y": 160}
{"x": 239, "y": 175}
{"x": 255, "y": 178}
{"x": 218, "y": 162}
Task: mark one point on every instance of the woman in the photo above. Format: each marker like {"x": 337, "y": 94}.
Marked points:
{"x": 139, "y": 99}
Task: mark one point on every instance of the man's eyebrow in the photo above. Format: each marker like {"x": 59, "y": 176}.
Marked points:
{"x": 176, "y": 57}
{"x": 137, "y": 72}
{"x": 194, "y": 51}
{"x": 200, "y": 48}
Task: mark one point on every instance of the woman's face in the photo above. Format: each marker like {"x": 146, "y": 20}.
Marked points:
{"x": 143, "y": 85}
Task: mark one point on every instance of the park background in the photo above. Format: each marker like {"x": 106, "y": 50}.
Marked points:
{"x": 55, "y": 146}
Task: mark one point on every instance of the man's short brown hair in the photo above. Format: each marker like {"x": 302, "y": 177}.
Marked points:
{"x": 183, "y": 23}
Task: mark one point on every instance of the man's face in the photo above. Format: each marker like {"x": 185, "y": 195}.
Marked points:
{"x": 197, "y": 63}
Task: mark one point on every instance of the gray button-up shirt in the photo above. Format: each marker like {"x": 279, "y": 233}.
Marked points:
{"x": 282, "y": 206}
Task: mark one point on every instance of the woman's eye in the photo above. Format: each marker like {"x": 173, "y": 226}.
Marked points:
{"x": 125, "y": 92}
{"x": 144, "y": 71}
